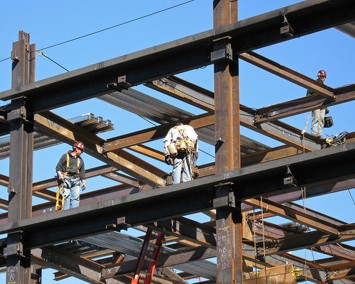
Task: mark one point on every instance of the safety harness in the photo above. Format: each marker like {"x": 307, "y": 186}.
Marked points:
{"x": 187, "y": 147}
{"x": 183, "y": 143}
{"x": 59, "y": 204}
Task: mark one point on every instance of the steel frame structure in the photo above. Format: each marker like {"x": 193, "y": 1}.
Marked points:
{"x": 246, "y": 173}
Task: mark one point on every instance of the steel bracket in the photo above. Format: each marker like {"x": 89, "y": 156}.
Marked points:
{"x": 14, "y": 245}
{"x": 289, "y": 179}
{"x": 226, "y": 197}
{"x": 286, "y": 28}
{"x": 120, "y": 225}
{"x": 17, "y": 114}
{"x": 222, "y": 50}
{"x": 120, "y": 85}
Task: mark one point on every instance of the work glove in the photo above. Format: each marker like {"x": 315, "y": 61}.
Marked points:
{"x": 83, "y": 184}
{"x": 60, "y": 176}
{"x": 167, "y": 160}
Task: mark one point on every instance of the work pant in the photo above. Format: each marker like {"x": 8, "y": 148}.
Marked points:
{"x": 317, "y": 122}
{"x": 177, "y": 167}
{"x": 71, "y": 195}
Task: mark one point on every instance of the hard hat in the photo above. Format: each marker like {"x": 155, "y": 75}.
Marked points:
{"x": 79, "y": 145}
{"x": 322, "y": 73}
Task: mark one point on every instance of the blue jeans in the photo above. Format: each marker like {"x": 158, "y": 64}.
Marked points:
{"x": 72, "y": 195}
{"x": 317, "y": 122}
{"x": 186, "y": 176}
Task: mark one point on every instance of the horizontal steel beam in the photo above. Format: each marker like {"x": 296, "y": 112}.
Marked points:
{"x": 195, "y": 196}
{"x": 181, "y": 55}
{"x": 190, "y": 93}
{"x": 304, "y": 104}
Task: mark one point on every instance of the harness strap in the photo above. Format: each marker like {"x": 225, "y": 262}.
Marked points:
{"x": 77, "y": 164}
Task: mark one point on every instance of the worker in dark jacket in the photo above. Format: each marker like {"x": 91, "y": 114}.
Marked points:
{"x": 71, "y": 172}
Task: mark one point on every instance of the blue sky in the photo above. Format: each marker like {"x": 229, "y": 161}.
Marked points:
{"x": 135, "y": 25}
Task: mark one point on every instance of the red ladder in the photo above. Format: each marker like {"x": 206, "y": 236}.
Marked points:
{"x": 153, "y": 258}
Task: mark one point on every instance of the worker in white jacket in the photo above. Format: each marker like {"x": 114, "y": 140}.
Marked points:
{"x": 181, "y": 150}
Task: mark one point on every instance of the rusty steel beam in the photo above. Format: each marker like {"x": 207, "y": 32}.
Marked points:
{"x": 123, "y": 179}
{"x": 227, "y": 147}
{"x": 154, "y": 133}
{"x": 187, "y": 92}
{"x": 4, "y": 180}
{"x": 301, "y": 105}
{"x": 295, "y": 215}
{"x": 252, "y": 181}
{"x": 149, "y": 152}
{"x": 187, "y": 229}
{"x": 287, "y": 74}
{"x": 163, "y": 113}
{"x": 21, "y": 160}
{"x": 280, "y": 232}
{"x": 67, "y": 132}
{"x": 308, "y": 240}
{"x": 71, "y": 264}
{"x": 190, "y": 260}
{"x": 182, "y": 55}
{"x": 348, "y": 273}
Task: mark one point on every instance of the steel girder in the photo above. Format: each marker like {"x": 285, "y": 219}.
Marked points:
{"x": 195, "y": 196}
{"x": 181, "y": 55}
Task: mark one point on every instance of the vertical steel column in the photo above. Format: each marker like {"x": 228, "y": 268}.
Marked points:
{"x": 21, "y": 162}
{"x": 227, "y": 134}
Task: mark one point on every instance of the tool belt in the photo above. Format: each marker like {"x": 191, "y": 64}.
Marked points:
{"x": 181, "y": 146}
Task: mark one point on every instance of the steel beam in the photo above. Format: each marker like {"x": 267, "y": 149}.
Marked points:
{"x": 287, "y": 74}
{"x": 154, "y": 133}
{"x": 21, "y": 161}
{"x": 227, "y": 144}
{"x": 295, "y": 215}
{"x": 68, "y": 132}
{"x": 190, "y": 93}
{"x": 55, "y": 258}
{"x": 308, "y": 240}
{"x": 301, "y": 105}
{"x": 182, "y": 55}
{"x": 195, "y": 196}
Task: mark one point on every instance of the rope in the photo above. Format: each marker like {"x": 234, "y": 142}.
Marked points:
{"x": 262, "y": 222}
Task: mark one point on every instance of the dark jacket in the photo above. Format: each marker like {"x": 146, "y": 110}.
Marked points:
{"x": 72, "y": 169}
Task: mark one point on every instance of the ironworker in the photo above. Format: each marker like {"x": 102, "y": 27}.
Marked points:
{"x": 181, "y": 151}
{"x": 318, "y": 114}
{"x": 71, "y": 172}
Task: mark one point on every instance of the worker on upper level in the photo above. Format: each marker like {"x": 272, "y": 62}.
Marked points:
{"x": 318, "y": 114}
{"x": 181, "y": 150}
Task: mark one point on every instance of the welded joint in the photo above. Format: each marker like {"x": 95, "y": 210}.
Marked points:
{"x": 289, "y": 179}
{"x": 120, "y": 85}
{"x": 286, "y": 28}
{"x": 222, "y": 50}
